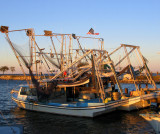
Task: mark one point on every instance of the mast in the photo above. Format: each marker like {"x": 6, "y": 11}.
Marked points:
{"x": 129, "y": 62}
{"x": 62, "y": 36}
{"x": 93, "y": 72}
{"x": 33, "y": 51}
{"x": 114, "y": 73}
{"x": 145, "y": 64}
{"x": 55, "y": 50}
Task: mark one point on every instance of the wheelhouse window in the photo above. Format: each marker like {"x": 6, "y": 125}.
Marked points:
{"x": 28, "y": 91}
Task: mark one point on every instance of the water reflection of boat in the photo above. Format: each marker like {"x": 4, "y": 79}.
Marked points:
{"x": 81, "y": 87}
{"x": 13, "y": 129}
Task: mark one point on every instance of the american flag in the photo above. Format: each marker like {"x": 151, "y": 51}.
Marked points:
{"x": 91, "y": 31}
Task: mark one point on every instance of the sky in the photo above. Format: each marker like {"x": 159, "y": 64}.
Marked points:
{"x": 134, "y": 22}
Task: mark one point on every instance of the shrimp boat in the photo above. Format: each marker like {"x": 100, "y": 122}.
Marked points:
{"x": 84, "y": 84}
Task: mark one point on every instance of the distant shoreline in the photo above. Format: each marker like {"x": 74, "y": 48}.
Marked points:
{"x": 17, "y": 77}
{"x": 140, "y": 79}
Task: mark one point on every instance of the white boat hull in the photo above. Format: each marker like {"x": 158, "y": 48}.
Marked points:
{"x": 91, "y": 111}
{"x": 133, "y": 105}
{"x": 137, "y": 102}
{"x": 154, "y": 120}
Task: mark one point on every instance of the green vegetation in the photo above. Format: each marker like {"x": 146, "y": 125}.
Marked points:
{"x": 12, "y": 69}
{"x": 5, "y": 68}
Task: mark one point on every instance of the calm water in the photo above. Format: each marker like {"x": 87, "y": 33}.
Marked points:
{"x": 118, "y": 122}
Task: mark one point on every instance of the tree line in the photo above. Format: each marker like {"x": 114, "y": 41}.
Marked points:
{"x": 5, "y": 68}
